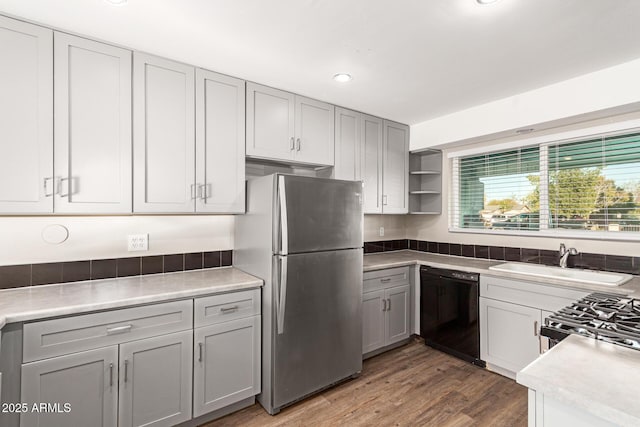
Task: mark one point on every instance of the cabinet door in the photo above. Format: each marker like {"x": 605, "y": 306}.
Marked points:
{"x": 87, "y": 381}
{"x": 347, "y": 144}
{"x": 26, "y": 118}
{"x": 163, "y": 135}
{"x": 155, "y": 381}
{"x": 395, "y": 160}
{"x": 373, "y": 320}
{"x": 270, "y": 123}
{"x": 92, "y": 83}
{"x": 398, "y": 325}
{"x": 371, "y": 163}
{"x": 220, "y": 142}
{"x": 508, "y": 334}
{"x": 226, "y": 364}
{"x": 314, "y": 131}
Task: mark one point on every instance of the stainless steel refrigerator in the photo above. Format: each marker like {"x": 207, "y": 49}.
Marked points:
{"x": 303, "y": 237}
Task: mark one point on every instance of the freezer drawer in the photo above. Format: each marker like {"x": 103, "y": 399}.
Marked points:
{"x": 317, "y": 337}
{"x": 315, "y": 214}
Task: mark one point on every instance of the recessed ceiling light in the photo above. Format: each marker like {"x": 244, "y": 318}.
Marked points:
{"x": 486, "y": 1}
{"x": 342, "y": 77}
{"x": 117, "y": 2}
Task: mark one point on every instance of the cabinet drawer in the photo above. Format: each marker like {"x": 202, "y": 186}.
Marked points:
{"x": 77, "y": 333}
{"x": 381, "y": 279}
{"x": 225, "y": 307}
{"x": 530, "y": 294}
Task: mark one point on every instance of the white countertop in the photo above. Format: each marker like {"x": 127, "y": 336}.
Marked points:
{"x": 37, "y": 302}
{"x": 382, "y": 260}
{"x": 590, "y": 375}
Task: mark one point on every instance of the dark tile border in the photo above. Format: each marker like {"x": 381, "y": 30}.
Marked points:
{"x": 16, "y": 276}
{"x": 616, "y": 263}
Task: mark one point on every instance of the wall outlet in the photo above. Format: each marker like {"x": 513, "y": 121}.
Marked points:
{"x": 381, "y": 231}
{"x": 138, "y": 242}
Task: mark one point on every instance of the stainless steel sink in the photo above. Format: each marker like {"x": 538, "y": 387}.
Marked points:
{"x": 569, "y": 274}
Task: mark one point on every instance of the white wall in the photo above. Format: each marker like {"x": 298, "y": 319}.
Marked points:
{"x": 435, "y": 228}
{"x": 394, "y": 227}
{"x": 614, "y": 90}
{"x": 95, "y": 237}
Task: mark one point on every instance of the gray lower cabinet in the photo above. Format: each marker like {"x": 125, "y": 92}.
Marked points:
{"x": 226, "y": 364}
{"x": 155, "y": 381}
{"x": 511, "y": 314}
{"x": 87, "y": 381}
{"x": 227, "y": 350}
{"x": 509, "y": 334}
{"x": 386, "y": 317}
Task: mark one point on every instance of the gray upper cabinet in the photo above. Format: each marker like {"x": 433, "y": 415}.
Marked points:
{"x": 288, "y": 128}
{"x": 163, "y": 135}
{"x": 347, "y": 144}
{"x": 371, "y": 163}
{"x": 395, "y": 160}
{"x": 26, "y": 118}
{"x": 314, "y": 132}
{"x": 92, "y": 140}
{"x": 270, "y": 123}
{"x": 220, "y": 143}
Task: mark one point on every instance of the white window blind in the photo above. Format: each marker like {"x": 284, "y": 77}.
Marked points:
{"x": 589, "y": 185}
{"x": 594, "y": 185}
{"x": 495, "y": 190}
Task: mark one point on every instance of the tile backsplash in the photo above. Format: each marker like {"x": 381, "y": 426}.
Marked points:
{"x": 15, "y": 276}
{"x": 620, "y": 264}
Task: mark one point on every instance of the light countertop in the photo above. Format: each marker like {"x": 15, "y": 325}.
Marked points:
{"x": 37, "y": 302}
{"x": 382, "y": 260}
{"x": 589, "y": 375}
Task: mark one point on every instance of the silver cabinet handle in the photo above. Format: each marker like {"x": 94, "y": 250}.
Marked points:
{"x": 298, "y": 144}
{"x": 110, "y": 374}
{"x": 202, "y": 191}
{"x": 386, "y": 280}
{"x": 199, "y": 352}
{"x": 384, "y": 200}
{"x": 46, "y": 187}
{"x": 535, "y": 328}
{"x": 292, "y": 145}
{"x": 384, "y": 305}
{"x": 60, "y": 182}
{"x": 227, "y": 310}
{"x": 389, "y": 305}
{"x": 126, "y": 369}
{"x": 193, "y": 191}
{"x": 119, "y": 329}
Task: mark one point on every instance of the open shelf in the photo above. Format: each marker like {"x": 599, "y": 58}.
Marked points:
{"x": 425, "y": 182}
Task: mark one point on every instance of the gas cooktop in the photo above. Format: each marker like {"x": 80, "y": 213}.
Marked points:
{"x": 607, "y": 317}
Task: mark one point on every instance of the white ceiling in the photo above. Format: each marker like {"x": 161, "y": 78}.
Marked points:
{"x": 411, "y": 60}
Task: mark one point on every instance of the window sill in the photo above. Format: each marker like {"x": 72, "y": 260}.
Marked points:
{"x": 567, "y": 234}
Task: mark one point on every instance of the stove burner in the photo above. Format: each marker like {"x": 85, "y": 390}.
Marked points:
{"x": 606, "y": 317}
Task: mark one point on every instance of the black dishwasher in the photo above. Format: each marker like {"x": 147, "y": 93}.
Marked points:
{"x": 449, "y": 312}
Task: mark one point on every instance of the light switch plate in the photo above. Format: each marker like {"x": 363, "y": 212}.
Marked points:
{"x": 381, "y": 231}
{"x": 138, "y": 242}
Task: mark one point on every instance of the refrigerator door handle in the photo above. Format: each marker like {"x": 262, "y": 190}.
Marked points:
{"x": 282, "y": 297}
{"x": 284, "y": 228}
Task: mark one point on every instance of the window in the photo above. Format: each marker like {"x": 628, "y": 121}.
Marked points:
{"x": 589, "y": 185}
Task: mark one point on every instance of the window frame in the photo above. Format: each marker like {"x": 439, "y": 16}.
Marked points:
{"x": 543, "y": 142}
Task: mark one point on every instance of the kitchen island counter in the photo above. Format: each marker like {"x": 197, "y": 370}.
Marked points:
{"x": 38, "y": 302}
{"x": 587, "y": 375}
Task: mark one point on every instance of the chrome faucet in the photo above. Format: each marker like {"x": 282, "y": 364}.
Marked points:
{"x": 564, "y": 254}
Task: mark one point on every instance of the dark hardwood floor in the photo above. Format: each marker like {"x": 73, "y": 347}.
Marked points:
{"x": 413, "y": 385}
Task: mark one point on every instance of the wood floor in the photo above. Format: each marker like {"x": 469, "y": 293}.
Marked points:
{"x": 413, "y": 385}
